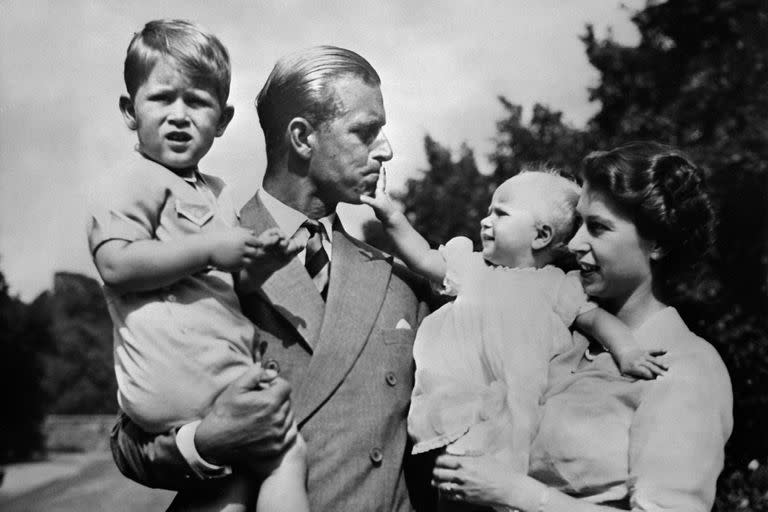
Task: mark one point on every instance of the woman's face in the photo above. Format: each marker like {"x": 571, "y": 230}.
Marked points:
{"x": 614, "y": 259}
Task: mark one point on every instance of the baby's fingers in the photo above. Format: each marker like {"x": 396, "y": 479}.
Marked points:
{"x": 381, "y": 183}
{"x": 640, "y": 371}
{"x": 657, "y": 369}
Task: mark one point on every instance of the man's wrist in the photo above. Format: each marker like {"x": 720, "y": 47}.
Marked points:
{"x": 204, "y": 469}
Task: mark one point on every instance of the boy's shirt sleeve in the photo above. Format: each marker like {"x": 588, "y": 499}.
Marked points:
{"x": 124, "y": 206}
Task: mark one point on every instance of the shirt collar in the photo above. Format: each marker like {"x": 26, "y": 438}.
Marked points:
{"x": 288, "y": 219}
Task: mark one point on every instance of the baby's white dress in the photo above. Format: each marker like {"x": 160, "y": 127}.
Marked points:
{"x": 482, "y": 360}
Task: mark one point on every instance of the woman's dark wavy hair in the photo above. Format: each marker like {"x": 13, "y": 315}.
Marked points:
{"x": 664, "y": 194}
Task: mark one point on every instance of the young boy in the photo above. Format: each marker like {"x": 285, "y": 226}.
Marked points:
{"x": 164, "y": 238}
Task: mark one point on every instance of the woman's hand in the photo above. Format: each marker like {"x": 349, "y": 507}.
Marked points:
{"x": 485, "y": 480}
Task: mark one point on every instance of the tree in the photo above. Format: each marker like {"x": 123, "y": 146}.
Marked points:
{"x": 79, "y": 368}
{"x": 23, "y": 337}
{"x": 450, "y": 198}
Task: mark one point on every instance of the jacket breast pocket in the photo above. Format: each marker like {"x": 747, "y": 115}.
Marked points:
{"x": 398, "y": 336}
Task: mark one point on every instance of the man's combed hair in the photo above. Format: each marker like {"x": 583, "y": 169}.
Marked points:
{"x": 200, "y": 55}
{"x": 299, "y": 86}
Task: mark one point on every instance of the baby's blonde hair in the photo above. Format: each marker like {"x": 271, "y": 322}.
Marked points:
{"x": 559, "y": 196}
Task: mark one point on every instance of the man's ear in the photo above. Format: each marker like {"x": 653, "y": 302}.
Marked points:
{"x": 226, "y": 116}
{"x": 301, "y": 135}
{"x": 544, "y": 234}
{"x": 129, "y": 114}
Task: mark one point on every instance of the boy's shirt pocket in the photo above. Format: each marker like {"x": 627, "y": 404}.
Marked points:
{"x": 197, "y": 213}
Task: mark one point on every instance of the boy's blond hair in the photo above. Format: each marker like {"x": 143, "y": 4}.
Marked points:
{"x": 199, "y": 55}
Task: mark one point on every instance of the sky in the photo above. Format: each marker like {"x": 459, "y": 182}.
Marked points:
{"x": 442, "y": 64}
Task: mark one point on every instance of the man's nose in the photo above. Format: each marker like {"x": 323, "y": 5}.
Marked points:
{"x": 382, "y": 150}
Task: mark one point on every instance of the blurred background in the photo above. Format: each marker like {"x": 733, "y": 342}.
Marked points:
{"x": 472, "y": 93}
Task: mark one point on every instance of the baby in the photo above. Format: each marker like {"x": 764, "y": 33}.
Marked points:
{"x": 482, "y": 360}
{"x": 165, "y": 237}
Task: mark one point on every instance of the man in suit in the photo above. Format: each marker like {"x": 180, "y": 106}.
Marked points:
{"x": 337, "y": 322}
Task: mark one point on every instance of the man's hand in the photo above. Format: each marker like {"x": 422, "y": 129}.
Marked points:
{"x": 250, "y": 420}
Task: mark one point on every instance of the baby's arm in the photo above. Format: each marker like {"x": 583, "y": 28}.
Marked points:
{"x": 621, "y": 343}
{"x": 410, "y": 245}
{"x": 140, "y": 265}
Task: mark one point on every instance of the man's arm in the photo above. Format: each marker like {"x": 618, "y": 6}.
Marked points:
{"x": 249, "y": 423}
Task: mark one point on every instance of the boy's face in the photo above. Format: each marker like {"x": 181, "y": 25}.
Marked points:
{"x": 175, "y": 119}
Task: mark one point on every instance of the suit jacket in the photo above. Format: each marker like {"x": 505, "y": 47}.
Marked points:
{"x": 350, "y": 363}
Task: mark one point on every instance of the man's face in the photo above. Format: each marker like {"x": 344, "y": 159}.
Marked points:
{"x": 349, "y": 150}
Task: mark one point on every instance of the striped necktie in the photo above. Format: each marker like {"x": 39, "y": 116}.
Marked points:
{"x": 317, "y": 262}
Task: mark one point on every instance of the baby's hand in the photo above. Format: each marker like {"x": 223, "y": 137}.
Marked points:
{"x": 642, "y": 364}
{"x": 382, "y": 205}
{"x": 231, "y": 249}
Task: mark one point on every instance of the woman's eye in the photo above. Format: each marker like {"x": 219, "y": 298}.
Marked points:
{"x": 595, "y": 227}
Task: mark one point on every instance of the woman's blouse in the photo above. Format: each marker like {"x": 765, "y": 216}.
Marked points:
{"x": 651, "y": 445}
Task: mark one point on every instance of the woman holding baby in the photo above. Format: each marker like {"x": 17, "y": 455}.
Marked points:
{"x": 605, "y": 440}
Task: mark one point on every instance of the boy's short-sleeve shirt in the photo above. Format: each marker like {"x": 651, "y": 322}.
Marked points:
{"x": 190, "y": 337}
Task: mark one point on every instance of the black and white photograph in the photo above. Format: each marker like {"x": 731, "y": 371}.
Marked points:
{"x": 396, "y": 256}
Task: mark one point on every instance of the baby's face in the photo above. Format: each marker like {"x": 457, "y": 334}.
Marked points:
{"x": 510, "y": 227}
{"x": 176, "y": 119}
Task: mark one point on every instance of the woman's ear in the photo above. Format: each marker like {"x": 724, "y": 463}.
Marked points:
{"x": 226, "y": 117}
{"x": 301, "y": 135}
{"x": 129, "y": 114}
{"x": 544, "y": 235}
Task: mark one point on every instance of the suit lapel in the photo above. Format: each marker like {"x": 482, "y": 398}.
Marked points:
{"x": 357, "y": 287}
{"x": 290, "y": 289}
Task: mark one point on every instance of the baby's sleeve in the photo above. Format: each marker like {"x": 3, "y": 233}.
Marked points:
{"x": 459, "y": 260}
{"x": 123, "y": 206}
{"x": 571, "y": 300}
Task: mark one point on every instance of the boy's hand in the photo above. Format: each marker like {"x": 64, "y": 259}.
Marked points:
{"x": 382, "y": 205}
{"x": 642, "y": 364}
{"x": 270, "y": 253}
{"x": 232, "y": 249}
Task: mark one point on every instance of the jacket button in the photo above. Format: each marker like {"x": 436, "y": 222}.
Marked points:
{"x": 271, "y": 364}
{"x": 391, "y": 378}
{"x": 376, "y": 456}
{"x": 171, "y": 298}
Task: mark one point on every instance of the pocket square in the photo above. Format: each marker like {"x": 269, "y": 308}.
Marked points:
{"x": 403, "y": 324}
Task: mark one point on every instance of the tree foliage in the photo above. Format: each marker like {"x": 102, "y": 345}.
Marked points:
{"x": 79, "y": 377}
{"x": 24, "y": 337}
